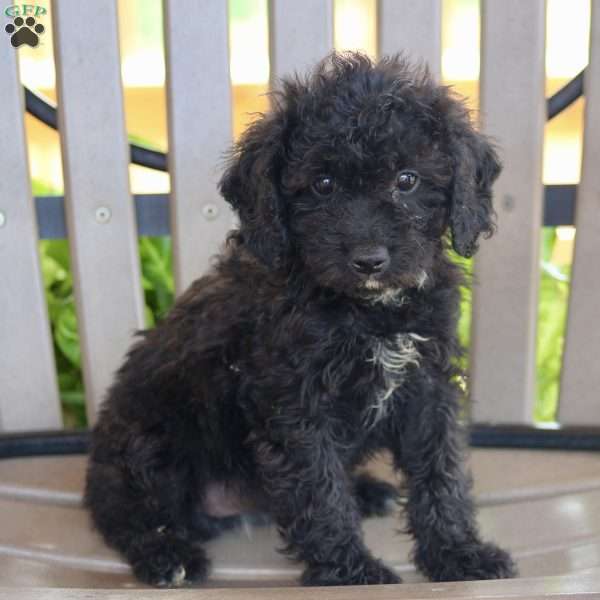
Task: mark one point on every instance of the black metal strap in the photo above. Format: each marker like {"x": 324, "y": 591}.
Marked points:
{"x": 565, "y": 96}
{"x": 515, "y": 436}
{"x": 44, "y": 110}
{"x": 43, "y": 443}
{"x": 152, "y": 212}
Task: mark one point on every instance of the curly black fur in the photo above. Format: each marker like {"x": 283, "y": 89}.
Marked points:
{"x": 324, "y": 334}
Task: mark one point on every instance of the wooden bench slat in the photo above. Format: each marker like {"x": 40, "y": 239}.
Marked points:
{"x": 23, "y": 572}
{"x": 99, "y": 208}
{"x": 558, "y": 529}
{"x": 200, "y": 130}
{"x": 576, "y": 587}
{"x": 533, "y": 474}
{"x": 29, "y": 392}
{"x": 27, "y": 578}
{"x": 566, "y": 560}
{"x": 300, "y": 34}
{"x": 53, "y": 479}
{"x": 505, "y": 294}
{"x": 556, "y": 533}
{"x": 580, "y": 381}
{"x": 43, "y": 568}
{"x": 413, "y": 27}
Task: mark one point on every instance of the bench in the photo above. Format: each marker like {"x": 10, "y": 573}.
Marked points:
{"x": 538, "y": 489}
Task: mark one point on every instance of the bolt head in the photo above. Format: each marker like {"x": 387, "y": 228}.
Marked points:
{"x": 103, "y": 214}
{"x": 210, "y": 211}
{"x": 508, "y": 202}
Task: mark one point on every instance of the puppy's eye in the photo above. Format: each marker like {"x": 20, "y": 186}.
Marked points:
{"x": 407, "y": 181}
{"x": 324, "y": 186}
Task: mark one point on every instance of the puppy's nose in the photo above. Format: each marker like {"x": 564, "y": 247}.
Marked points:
{"x": 370, "y": 260}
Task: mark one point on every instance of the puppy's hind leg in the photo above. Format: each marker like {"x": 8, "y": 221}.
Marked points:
{"x": 143, "y": 512}
{"x": 166, "y": 558}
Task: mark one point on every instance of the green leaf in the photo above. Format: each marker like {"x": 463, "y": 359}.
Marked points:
{"x": 67, "y": 336}
{"x": 552, "y": 313}
{"x": 148, "y": 316}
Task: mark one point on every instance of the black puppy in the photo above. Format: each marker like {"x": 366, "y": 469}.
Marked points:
{"x": 324, "y": 334}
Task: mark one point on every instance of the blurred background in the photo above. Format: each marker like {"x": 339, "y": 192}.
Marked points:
{"x": 143, "y": 73}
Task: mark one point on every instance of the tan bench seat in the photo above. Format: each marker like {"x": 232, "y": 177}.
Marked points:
{"x": 544, "y": 506}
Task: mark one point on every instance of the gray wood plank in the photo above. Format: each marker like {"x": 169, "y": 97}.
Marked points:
{"x": 200, "y": 130}
{"x": 29, "y": 393}
{"x": 301, "y": 34}
{"x": 548, "y": 535}
{"x": 561, "y": 559}
{"x": 580, "y": 381}
{"x": 44, "y": 479}
{"x": 537, "y": 527}
{"x": 413, "y": 27}
{"x": 507, "y": 266}
{"x": 577, "y": 587}
{"x": 533, "y": 475}
{"x": 20, "y": 574}
{"x": 23, "y": 572}
{"x": 100, "y": 213}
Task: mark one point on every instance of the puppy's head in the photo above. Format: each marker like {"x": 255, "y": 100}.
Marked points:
{"x": 357, "y": 173}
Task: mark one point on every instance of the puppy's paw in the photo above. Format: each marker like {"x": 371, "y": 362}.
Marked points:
{"x": 168, "y": 561}
{"x": 374, "y": 497}
{"x": 472, "y": 561}
{"x": 370, "y": 572}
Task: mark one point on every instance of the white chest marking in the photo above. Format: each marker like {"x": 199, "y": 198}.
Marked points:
{"x": 392, "y": 356}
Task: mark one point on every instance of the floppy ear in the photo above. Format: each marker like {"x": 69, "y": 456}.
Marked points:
{"x": 250, "y": 186}
{"x": 476, "y": 167}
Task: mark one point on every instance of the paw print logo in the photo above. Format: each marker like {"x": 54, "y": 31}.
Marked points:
{"x": 24, "y": 31}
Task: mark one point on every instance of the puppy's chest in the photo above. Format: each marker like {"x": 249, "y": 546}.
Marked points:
{"x": 389, "y": 361}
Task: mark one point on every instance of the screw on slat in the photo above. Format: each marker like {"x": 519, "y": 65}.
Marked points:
{"x": 103, "y": 214}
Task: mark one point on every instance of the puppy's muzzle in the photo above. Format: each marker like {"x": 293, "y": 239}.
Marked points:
{"x": 373, "y": 260}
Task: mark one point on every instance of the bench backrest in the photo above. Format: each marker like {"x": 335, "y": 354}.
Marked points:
{"x": 100, "y": 212}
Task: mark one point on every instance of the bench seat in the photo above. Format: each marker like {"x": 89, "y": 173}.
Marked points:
{"x": 543, "y": 506}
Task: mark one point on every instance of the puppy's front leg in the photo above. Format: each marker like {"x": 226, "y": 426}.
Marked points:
{"x": 427, "y": 446}
{"x": 311, "y": 501}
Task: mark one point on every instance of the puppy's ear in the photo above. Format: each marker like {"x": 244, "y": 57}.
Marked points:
{"x": 476, "y": 167}
{"x": 250, "y": 186}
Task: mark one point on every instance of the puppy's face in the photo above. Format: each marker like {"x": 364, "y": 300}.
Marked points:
{"x": 358, "y": 173}
{"x": 367, "y": 201}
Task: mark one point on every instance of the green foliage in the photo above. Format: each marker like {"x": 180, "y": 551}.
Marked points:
{"x": 157, "y": 283}
{"x": 157, "y": 276}
{"x": 58, "y": 283}
{"x": 552, "y": 313}
{"x": 464, "y": 323}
